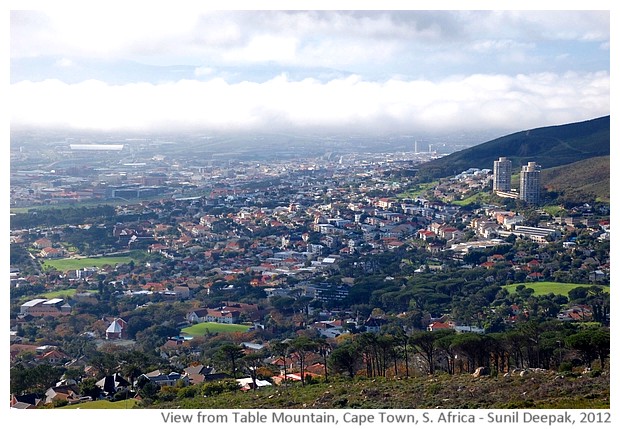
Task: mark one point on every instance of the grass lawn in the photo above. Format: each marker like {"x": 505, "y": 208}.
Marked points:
{"x": 201, "y": 328}
{"x": 104, "y": 405}
{"x": 418, "y": 190}
{"x": 553, "y": 210}
{"x": 75, "y": 264}
{"x": 544, "y": 288}
{"x": 476, "y": 198}
{"x": 64, "y": 292}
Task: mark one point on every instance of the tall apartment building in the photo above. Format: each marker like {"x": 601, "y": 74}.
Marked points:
{"x": 529, "y": 183}
{"x": 502, "y": 168}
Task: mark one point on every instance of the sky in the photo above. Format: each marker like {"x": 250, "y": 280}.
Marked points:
{"x": 163, "y": 68}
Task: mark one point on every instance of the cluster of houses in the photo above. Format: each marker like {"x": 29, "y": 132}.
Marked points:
{"x": 228, "y": 314}
{"x": 319, "y": 221}
{"x": 117, "y": 385}
{"x": 306, "y": 235}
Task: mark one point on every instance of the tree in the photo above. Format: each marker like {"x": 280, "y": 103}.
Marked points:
{"x": 345, "y": 358}
{"x": 138, "y": 323}
{"x": 445, "y": 349}
{"x": 324, "y": 349}
{"x": 472, "y": 347}
{"x": 591, "y": 344}
{"x": 386, "y": 344}
{"x": 251, "y": 363}
{"x": 35, "y": 379}
{"x": 88, "y": 387}
{"x": 581, "y": 342}
{"x": 148, "y": 389}
{"x": 105, "y": 363}
{"x": 530, "y": 333}
{"x": 281, "y": 349}
{"x": 367, "y": 347}
{"x": 600, "y": 303}
{"x": 134, "y": 361}
{"x": 601, "y": 343}
{"x": 231, "y": 353}
{"x": 284, "y": 304}
{"x": 425, "y": 343}
{"x": 302, "y": 347}
{"x": 402, "y": 344}
{"x": 578, "y": 293}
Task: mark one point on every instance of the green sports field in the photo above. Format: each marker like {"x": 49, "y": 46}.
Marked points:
{"x": 76, "y": 264}
{"x": 104, "y": 404}
{"x": 200, "y": 329}
{"x": 64, "y": 292}
{"x": 544, "y": 288}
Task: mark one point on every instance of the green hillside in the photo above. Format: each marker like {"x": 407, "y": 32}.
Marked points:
{"x": 544, "y": 390}
{"x": 548, "y": 146}
{"x": 548, "y": 390}
{"x": 580, "y": 181}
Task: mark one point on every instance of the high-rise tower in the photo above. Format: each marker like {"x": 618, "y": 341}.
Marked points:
{"x": 529, "y": 183}
{"x": 502, "y": 169}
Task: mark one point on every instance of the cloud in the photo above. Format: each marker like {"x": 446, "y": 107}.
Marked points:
{"x": 532, "y": 25}
{"x": 499, "y": 45}
{"x": 204, "y": 71}
{"x": 335, "y": 71}
{"x": 265, "y": 48}
{"x": 329, "y": 38}
{"x": 99, "y": 32}
{"x": 64, "y": 63}
{"x": 349, "y": 104}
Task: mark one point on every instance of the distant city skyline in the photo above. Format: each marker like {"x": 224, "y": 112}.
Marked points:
{"x": 318, "y": 71}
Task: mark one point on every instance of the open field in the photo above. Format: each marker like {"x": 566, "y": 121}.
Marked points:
{"x": 201, "y": 328}
{"x": 544, "y": 288}
{"x": 77, "y": 263}
{"x": 104, "y": 405}
{"x": 418, "y": 190}
{"x": 63, "y": 293}
{"x": 479, "y": 197}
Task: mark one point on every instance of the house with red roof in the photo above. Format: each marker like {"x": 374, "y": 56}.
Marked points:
{"x": 53, "y": 357}
{"x": 426, "y": 235}
{"x": 115, "y": 329}
{"x": 535, "y": 276}
{"x": 437, "y": 325}
{"x": 534, "y": 264}
{"x": 52, "y": 253}
{"x": 42, "y": 243}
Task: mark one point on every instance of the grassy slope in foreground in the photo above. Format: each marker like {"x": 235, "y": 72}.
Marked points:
{"x": 548, "y": 390}
{"x": 543, "y": 390}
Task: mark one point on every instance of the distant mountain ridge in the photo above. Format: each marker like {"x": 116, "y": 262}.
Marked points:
{"x": 549, "y": 147}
